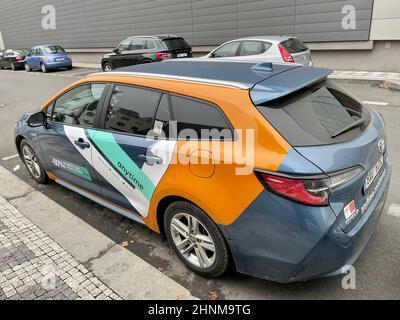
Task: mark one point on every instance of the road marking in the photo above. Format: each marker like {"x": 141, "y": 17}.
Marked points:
{"x": 16, "y": 168}
{"x": 394, "y": 210}
{"x": 10, "y": 157}
{"x": 376, "y": 103}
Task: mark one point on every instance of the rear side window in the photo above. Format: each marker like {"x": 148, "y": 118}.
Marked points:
{"x": 195, "y": 116}
{"x": 294, "y": 46}
{"x": 137, "y": 44}
{"x": 132, "y": 110}
{"x": 317, "y": 116}
{"x": 252, "y": 48}
{"x": 176, "y": 43}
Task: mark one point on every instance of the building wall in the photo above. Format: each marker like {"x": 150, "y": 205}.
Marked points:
{"x": 386, "y": 20}
{"x": 104, "y": 23}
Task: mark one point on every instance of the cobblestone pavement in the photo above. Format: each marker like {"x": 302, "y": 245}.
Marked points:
{"x": 34, "y": 267}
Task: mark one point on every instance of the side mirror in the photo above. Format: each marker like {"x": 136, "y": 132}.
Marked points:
{"x": 37, "y": 120}
{"x": 116, "y": 50}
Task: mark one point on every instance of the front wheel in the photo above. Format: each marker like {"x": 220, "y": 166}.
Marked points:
{"x": 196, "y": 239}
{"x": 33, "y": 163}
{"x": 107, "y": 67}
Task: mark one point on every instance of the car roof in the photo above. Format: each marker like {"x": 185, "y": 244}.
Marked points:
{"x": 159, "y": 37}
{"x": 277, "y": 39}
{"x": 267, "y": 80}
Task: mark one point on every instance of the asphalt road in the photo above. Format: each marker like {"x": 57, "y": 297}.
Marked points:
{"x": 378, "y": 275}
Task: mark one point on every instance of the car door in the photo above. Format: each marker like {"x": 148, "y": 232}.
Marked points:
{"x": 65, "y": 142}
{"x": 253, "y": 50}
{"x": 131, "y": 162}
{"x": 7, "y": 58}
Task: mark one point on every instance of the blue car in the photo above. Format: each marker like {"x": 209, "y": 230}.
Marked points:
{"x": 303, "y": 205}
{"x": 47, "y": 57}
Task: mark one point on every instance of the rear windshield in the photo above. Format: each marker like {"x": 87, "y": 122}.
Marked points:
{"x": 294, "y": 46}
{"x": 176, "y": 43}
{"x": 321, "y": 115}
{"x": 54, "y": 50}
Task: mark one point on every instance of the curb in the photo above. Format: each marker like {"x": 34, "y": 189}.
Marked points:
{"x": 122, "y": 271}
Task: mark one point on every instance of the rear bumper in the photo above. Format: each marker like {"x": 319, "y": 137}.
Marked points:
{"x": 59, "y": 65}
{"x": 290, "y": 242}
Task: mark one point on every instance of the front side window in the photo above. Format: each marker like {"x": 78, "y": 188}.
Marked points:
{"x": 132, "y": 110}
{"x": 252, "y": 48}
{"x": 197, "y": 117}
{"x": 228, "y": 50}
{"x": 124, "y": 46}
{"x": 79, "y": 106}
{"x": 136, "y": 44}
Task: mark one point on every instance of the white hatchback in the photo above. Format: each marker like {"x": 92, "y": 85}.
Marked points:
{"x": 268, "y": 48}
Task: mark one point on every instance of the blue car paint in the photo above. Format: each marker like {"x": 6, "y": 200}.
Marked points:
{"x": 35, "y": 62}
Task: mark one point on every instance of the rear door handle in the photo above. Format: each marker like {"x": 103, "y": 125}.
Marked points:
{"x": 82, "y": 144}
{"x": 151, "y": 160}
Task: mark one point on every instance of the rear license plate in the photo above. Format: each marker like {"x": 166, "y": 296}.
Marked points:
{"x": 182, "y": 55}
{"x": 373, "y": 173}
{"x": 59, "y": 59}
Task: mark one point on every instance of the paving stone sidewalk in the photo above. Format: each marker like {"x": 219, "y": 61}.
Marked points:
{"x": 34, "y": 267}
{"x": 366, "y": 76}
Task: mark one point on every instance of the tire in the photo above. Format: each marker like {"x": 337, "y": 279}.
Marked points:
{"x": 107, "y": 66}
{"x": 205, "y": 239}
{"x": 27, "y": 68}
{"x": 69, "y": 68}
{"x": 32, "y": 163}
{"x": 44, "y": 68}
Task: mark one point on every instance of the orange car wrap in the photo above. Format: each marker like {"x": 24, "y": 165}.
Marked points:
{"x": 207, "y": 179}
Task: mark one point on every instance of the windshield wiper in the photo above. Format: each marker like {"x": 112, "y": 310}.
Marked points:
{"x": 354, "y": 125}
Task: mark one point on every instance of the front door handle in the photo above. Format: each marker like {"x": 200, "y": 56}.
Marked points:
{"x": 82, "y": 144}
{"x": 151, "y": 160}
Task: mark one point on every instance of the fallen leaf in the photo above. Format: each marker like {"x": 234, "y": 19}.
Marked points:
{"x": 181, "y": 297}
{"x": 125, "y": 244}
{"x": 161, "y": 269}
{"x": 214, "y": 296}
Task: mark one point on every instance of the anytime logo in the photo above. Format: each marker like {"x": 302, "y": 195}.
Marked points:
{"x": 128, "y": 174}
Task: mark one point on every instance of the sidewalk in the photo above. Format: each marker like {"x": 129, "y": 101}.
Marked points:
{"x": 48, "y": 253}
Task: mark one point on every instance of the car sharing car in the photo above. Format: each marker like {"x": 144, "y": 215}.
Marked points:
{"x": 13, "y": 59}
{"x": 305, "y": 206}
{"x": 146, "y": 49}
{"x": 47, "y": 57}
{"x": 268, "y": 48}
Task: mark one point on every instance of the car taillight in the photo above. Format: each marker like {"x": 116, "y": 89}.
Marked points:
{"x": 309, "y": 191}
{"x": 286, "y": 56}
{"x": 19, "y": 58}
{"x": 163, "y": 56}
{"x": 47, "y": 59}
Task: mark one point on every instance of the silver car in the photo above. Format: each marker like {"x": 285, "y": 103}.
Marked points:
{"x": 268, "y": 48}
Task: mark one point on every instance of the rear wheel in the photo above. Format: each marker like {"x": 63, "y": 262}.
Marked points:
{"x": 27, "y": 68}
{"x": 107, "y": 67}
{"x": 44, "y": 68}
{"x": 33, "y": 163}
{"x": 196, "y": 239}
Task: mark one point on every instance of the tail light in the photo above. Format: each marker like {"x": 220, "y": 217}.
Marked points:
{"x": 19, "y": 58}
{"x": 286, "y": 56}
{"x": 47, "y": 59}
{"x": 163, "y": 56}
{"x": 308, "y": 190}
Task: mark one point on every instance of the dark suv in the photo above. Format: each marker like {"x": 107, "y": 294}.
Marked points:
{"x": 146, "y": 49}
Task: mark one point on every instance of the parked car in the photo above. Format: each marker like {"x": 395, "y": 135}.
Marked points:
{"x": 268, "y": 48}
{"x": 13, "y": 59}
{"x": 146, "y": 49}
{"x": 304, "y": 205}
{"x": 47, "y": 57}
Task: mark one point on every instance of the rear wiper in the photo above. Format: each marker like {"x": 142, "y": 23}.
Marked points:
{"x": 354, "y": 125}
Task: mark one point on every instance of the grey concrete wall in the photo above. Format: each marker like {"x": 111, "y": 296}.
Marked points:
{"x": 104, "y": 23}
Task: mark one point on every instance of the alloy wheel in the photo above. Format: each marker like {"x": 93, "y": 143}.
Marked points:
{"x": 193, "y": 241}
{"x": 107, "y": 67}
{"x": 32, "y": 163}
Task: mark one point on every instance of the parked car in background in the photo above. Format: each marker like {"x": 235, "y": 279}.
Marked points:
{"x": 268, "y": 48}
{"x": 47, "y": 57}
{"x": 13, "y": 59}
{"x": 146, "y": 49}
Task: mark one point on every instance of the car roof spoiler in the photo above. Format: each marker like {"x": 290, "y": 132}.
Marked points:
{"x": 286, "y": 83}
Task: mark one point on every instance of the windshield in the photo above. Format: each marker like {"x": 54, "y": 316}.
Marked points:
{"x": 22, "y": 51}
{"x": 176, "y": 43}
{"x": 294, "y": 46}
{"x": 319, "y": 115}
{"x": 54, "y": 50}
